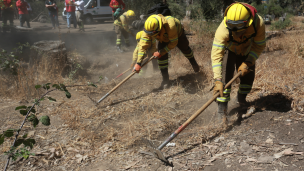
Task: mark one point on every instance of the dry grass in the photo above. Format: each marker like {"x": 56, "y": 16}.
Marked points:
{"x": 151, "y": 116}
{"x": 22, "y": 85}
{"x": 155, "y": 115}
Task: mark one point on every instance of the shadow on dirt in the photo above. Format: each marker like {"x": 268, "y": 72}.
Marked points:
{"x": 192, "y": 83}
{"x": 273, "y": 102}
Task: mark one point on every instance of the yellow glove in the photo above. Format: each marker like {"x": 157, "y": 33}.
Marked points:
{"x": 218, "y": 87}
{"x": 244, "y": 68}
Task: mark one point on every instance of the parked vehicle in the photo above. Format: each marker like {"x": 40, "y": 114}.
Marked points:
{"x": 267, "y": 19}
{"x": 94, "y": 10}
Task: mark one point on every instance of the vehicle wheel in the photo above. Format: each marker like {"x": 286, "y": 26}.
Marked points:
{"x": 88, "y": 19}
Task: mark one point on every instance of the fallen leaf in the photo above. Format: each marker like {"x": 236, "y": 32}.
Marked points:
{"x": 131, "y": 165}
{"x": 210, "y": 146}
{"x": 269, "y": 141}
{"x": 265, "y": 159}
{"x": 72, "y": 149}
{"x": 52, "y": 150}
{"x": 287, "y": 152}
{"x": 230, "y": 144}
{"x": 251, "y": 160}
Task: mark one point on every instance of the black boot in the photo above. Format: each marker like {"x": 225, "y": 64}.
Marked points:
{"x": 119, "y": 49}
{"x": 165, "y": 82}
{"x": 194, "y": 64}
{"x": 222, "y": 112}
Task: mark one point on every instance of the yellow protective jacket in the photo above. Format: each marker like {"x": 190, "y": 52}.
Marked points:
{"x": 151, "y": 49}
{"x": 123, "y": 21}
{"x": 253, "y": 47}
{"x": 170, "y": 31}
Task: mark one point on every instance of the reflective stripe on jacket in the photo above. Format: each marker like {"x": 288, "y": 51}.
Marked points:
{"x": 150, "y": 47}
{"x": 123, "y": 21}
{"x": 253, "y": 47}
{"x": 170, "y": 31}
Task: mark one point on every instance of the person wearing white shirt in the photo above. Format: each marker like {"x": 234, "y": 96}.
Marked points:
{"x": 79, "y": 14}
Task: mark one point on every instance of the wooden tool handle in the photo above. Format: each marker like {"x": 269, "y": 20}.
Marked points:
{"x": 184, "y": 125}
{"x": 123, "y": 81}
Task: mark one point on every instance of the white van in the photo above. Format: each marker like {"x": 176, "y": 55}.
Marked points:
{"x": 94, "y": 10}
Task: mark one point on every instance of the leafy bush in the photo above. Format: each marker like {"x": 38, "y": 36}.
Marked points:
{"x": 279, "y": 25}
{"x": 10, "y": 61}
{"x": 178, "y": 10}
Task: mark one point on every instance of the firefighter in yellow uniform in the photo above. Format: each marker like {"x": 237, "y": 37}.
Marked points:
{"x": 170, "y": 33}
{"x": 238, "y": 43}
{"x": 122, "y": 28}
{"x": 149, "y": 52}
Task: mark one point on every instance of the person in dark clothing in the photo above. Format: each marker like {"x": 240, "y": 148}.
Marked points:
{"x": 23, "y": 13}
{"x": 7, "y": 13}
{"x": 53, "y": 12}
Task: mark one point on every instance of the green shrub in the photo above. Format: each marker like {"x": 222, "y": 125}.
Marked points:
{"x": 279, "y": 25}
{"x": 178, "y": 10}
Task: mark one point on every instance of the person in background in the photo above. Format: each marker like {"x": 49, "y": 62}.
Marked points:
{"x": 170, "y": 33}
{"x": 122, "y": 28}
{"x": 70, "y": 9}
{"x": 115, "y": 4}
{"x": 79, "y": 14}
{"x": 51, "y": 5}
{"x": 7, "y": 13}
{"x": 23, "y": 14}
{"x": 29, "y": 9}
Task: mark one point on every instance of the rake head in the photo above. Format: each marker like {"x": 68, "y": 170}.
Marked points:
{"x": 155, "y": 151}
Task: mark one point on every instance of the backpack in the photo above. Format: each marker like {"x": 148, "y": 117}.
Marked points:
{"x": 118, "y": 13}
{"x": 160, "y": 8}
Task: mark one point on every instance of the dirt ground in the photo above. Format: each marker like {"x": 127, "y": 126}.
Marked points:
{"x": 83, "y": 136}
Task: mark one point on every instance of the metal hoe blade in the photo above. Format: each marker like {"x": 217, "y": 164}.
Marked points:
{"x": 156, "y": 152}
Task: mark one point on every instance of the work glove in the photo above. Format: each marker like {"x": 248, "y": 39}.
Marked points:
{"x": 137, "y": 68}
{"x": 156, "y": 54}
{"x": 244, "y": 68}
{"x": 218, "y": 87}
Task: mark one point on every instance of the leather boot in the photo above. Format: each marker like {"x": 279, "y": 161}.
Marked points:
{"x": 194, "y": 64}
{"x": 165, "y": 82}
{"x": 119, "y": 49}
{"x": 222, "y": 109}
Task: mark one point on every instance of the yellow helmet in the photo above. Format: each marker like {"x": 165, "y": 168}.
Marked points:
{"x": 237, "y": 17}
{"x": 153, "y": 25}
{"x": 138, "y": 35}
{"x": 131, "y": 13}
